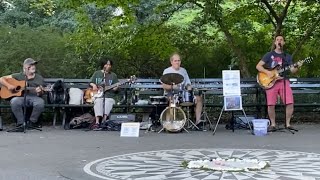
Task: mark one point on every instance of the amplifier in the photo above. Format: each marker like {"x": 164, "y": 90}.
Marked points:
{"x": 122, "y": 117}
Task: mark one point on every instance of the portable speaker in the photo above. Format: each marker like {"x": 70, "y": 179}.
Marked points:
{"x": 122, "y": 117}
{"x": 115, "y": 121}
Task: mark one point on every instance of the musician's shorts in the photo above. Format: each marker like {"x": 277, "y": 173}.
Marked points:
{"x": 278, "y": 89}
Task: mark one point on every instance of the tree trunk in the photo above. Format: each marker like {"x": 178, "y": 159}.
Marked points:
{"x": 242, "y": 58}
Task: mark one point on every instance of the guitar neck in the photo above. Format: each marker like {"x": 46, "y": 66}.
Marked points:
{"x": 286, "y": 68}
{"x": 114, "y": 85}
{"x": 306, "y": 60}
{"x": 34, "y": 88}
{"x": 107, "y": 88}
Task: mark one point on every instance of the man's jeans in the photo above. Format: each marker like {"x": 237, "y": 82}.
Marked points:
{"x": 17, "y": 104}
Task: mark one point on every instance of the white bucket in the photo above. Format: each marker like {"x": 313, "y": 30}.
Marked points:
{"x": 260, "y": 126}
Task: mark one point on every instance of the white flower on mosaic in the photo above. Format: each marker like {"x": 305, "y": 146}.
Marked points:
{"x": 232, "y": 164}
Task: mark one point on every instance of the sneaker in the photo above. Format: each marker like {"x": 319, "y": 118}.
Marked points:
{"x": 96, "y": 127}
{"x": 35, "y": 124}
{"x": 17, "y": 129}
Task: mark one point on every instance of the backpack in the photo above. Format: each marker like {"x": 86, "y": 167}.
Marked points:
{"x": 83, "y": 121}
{"x": 58, "y": 94}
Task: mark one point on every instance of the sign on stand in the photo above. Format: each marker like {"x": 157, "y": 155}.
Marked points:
{"x": 232, "y": 100}
{"x": 130, "y": 129}
{"x": 231, "y": 90}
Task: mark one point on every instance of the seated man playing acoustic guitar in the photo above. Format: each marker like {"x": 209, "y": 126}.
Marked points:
{"x": 33, "y": 98}
{"x": 99, "y": 79}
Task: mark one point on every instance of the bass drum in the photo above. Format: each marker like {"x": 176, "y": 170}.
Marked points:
{"x": 173, "y": 119}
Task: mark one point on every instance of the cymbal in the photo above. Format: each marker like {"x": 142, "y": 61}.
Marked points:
{"x": 171, "y": 78}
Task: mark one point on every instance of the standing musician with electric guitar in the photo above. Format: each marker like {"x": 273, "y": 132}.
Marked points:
{"x": 103, "y": 105}
{"x": 277, "y": 59}
{"x": 12, "y": 87}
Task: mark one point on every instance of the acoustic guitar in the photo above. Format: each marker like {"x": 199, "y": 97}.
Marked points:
{"x": 267, "y": 82}
{"x": 90, "y": 95}
{"x": 5, "y": 93}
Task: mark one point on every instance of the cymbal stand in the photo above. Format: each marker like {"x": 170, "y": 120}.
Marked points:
{"x": 190, "y": 123}
{"x": 204, "y": 111}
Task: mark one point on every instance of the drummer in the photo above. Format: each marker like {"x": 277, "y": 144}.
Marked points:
{"x": 175, "y": 61}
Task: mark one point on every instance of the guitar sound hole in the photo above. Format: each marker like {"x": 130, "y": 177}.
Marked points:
{"x": 18, "y": 88}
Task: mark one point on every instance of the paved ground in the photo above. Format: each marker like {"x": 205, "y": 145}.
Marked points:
{"x": 60, "y": 154}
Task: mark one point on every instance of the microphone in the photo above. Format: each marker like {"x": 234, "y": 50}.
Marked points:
{"x": 280, "y": 45}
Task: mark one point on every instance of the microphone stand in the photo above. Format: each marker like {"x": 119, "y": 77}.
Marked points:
{"x": 284, "y": 65}
{"x": 285, "y": 91}
{"x": 103, "y": 94}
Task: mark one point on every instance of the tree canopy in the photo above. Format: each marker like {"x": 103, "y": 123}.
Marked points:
{"x": 71, "y": 37}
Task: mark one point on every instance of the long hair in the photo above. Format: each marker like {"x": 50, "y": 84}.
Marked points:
{"x": 104, "y": 61}
{"x": 273, "y": 47}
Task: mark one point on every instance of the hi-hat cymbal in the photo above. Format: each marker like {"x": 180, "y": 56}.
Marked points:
{"x": 171, "y": 78}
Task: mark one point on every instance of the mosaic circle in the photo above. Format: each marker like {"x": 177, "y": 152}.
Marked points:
{"x": 166, "y": 164}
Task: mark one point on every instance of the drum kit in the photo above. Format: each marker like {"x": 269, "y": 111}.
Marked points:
{"x": 173, "y": 118}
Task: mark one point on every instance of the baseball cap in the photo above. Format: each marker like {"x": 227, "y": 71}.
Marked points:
{"x": 30, "y": 61}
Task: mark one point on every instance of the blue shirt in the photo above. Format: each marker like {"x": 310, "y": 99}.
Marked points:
{"x": 273, "y": 59}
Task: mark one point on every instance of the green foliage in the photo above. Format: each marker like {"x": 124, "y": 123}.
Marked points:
{"x": 43, "y": 44}
{"x": 70, "y": 37}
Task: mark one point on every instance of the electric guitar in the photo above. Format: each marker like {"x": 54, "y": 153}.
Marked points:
{"x": 267, "y": 82}
{"x": 90, "y": 95}
{"x": 5, "y": 93}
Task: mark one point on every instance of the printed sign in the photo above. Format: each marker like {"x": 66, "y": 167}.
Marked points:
{"x": 231, "y": 82}
{"x": 130, "y": 129}
{"x": 232, "y": 103}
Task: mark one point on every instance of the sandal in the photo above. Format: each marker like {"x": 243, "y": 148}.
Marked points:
{"x": 272, "y": 128}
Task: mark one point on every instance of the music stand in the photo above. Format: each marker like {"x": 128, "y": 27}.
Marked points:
{"x": 25, "y": 124}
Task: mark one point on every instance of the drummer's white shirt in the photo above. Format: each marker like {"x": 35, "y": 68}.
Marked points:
{"x": 182, "y": 71}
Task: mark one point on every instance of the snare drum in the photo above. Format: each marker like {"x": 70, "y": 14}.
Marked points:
{"x": 158, "y": 100}
{"x": 187, "y": 98}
